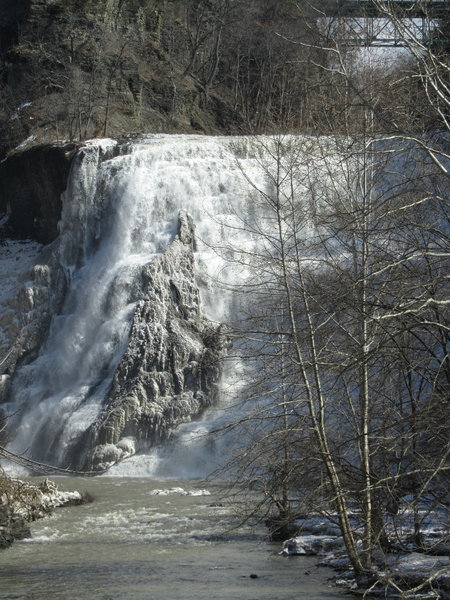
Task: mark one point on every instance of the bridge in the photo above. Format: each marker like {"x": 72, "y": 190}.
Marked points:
{"x": 418, "y": 9}
{"x": 368, "y": 22}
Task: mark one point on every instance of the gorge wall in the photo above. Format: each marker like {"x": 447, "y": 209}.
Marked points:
{"x": 76, "y": 69}
{"x": 32, "y": 183}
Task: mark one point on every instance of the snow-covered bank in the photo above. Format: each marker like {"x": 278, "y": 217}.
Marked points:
{"x": 398, "y": 573}
{"x": 22, "y": 502}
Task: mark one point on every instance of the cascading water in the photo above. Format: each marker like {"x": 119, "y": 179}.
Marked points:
{"x": 58, "y": 394}
{"x": 119, "y": 213}
{"x": 120, "y": 217}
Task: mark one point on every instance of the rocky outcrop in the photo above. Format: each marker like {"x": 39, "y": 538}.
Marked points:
{"x": 26, "y": 316}
{"x": 32, "y": 182}
{"x": 171, "y": 368}
{"x": 21, "y": 503}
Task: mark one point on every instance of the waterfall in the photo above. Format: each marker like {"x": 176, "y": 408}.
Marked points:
{"x": 120, "y": 215}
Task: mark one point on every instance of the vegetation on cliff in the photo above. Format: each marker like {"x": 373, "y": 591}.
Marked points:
{"x": 72, "y": 69}
{"x": 75, "y": 69}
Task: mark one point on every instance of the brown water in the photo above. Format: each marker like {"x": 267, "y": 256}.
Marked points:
{"x": 134, "y": 544}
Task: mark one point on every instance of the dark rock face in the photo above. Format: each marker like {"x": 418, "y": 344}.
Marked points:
{"x": 32, "y": 182}
{"x": 171, "y": 368}
{"x": 12, "y": 15}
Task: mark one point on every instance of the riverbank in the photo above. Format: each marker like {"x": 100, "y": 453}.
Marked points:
{"x": 161, "y": 520}
{"x": 22, "y": 502}
{"x": 402, "y": 571}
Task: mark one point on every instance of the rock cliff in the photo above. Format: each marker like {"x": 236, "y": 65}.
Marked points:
{"x": 77, "y": 69}
{"x": 171, "y": 368}
{"x": 32, "y": 183}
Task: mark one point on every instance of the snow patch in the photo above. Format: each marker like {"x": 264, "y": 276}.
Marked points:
{"x": 27, "y": 142}
{"x": 180, "y": 491}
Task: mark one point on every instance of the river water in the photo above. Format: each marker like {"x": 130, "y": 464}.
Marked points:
{"x": 150, "y": 539}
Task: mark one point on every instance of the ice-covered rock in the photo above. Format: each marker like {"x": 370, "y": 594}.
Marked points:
{"x": 33, "y": 288}
{"x": 417, "y": 567}
{"x": 172, "y": 365}
{"x": 179, "y": 491}
{"x": 22, "y": 502}
{"x": 311, "y": 545}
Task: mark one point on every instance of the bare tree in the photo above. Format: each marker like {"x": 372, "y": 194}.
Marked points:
{"x": 349, "y": 271}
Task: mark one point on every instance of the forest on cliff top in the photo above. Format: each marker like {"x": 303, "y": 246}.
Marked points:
{"x": 77, "y": 69}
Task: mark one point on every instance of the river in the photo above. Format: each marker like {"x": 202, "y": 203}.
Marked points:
{"x": 158, "y": 539}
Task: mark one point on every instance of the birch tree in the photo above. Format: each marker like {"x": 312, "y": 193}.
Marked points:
{"x": 346, "y": 279}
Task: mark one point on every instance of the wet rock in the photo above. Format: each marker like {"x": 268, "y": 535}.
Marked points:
{"x": 20, "y": 529}
{"x": 6, "y": 538}
{"x": 32, "y": 182}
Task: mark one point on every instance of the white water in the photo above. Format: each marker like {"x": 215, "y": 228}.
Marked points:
{"x": 118, "y": 214}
